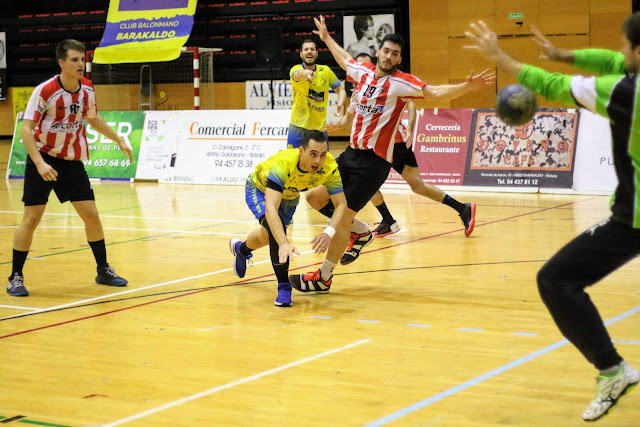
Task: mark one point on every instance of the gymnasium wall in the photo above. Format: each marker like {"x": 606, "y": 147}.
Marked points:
{"x": 436, "y": 40}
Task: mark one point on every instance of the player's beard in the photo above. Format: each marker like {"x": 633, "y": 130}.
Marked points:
{"x": 308, "y": 61}
{"x": 388, "y": 70}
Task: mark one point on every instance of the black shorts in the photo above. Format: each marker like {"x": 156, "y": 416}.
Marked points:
{"x": 403, "y": 156}
{"x": 72, "y": 184}
{"x": 363, "y": 173}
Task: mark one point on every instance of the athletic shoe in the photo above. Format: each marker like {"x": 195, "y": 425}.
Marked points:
{"x": 310, "y": 282}
{"x": 468, "y": 217}
{"x": 240, "y": 264}
{"x": 16, "y": 288}
{"x": 609, "y": 390}
{"x": 385, "y": 229}
{"x": 107, "y": 276}
{"x": 356, "y": 244}
{"x": 284, "y": 295}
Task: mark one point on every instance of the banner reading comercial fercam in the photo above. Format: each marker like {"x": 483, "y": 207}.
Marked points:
{"x": 537, "y": 154}
{"x": 145, "y": 30}
{"x": 224, "y": 148}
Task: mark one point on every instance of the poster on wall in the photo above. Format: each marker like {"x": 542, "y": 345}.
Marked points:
{"x": 440, "y": 143}
{"x": 159, "y": 143}
{"x": 258, "y": 96}
{"x": 3, "y": 67}
{"x": 538, "y": 154}
{"x": 106, "y": 160}
{"x": 224, "y": 148}
{"x": 363, "y": 33}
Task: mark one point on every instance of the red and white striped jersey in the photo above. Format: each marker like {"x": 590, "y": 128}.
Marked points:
{"x": 59, "y": 117}
{"x": 379, "y": 106}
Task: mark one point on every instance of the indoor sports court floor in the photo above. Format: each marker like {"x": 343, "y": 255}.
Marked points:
{"x": 427, "y": 328}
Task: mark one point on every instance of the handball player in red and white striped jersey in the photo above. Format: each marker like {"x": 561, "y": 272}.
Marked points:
{"x": 53, "y": 133}
{"x": 364, "y": 166}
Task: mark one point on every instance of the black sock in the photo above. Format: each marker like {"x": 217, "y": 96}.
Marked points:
{"x": 328, "y": 209}
{"x": 386, "y": 215}
{"x": 244, "y": 249}
{"x": 450, "y": 201}
{"x": 99, "y": 252}
{"x": 19, "y": 258}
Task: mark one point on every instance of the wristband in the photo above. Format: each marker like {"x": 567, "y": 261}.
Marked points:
{"x": 330, "y": 231}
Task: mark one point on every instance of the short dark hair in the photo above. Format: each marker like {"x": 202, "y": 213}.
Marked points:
{"x": 63, "y": 48}
{"x": 308, "y": 41}
{"x": 360, "y": 24}
{"x": 308, "y": 135}
{"x": 360, "y": 55}
{"x": 393, "y": 38}
{"x": 631, "y": 29}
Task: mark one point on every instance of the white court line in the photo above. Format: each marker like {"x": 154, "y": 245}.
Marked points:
{"x": 243, "y": 221}
{"x": 232, "y": 384}
{"x": 15, "y": 307}
{"x": 157, "y": 285}
{"x": 153, "y": 230}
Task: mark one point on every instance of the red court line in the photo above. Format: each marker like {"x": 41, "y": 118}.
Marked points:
{"x": 268, "y": 275}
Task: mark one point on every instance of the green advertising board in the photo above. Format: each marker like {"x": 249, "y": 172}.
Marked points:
{"x": 106, "y": 160}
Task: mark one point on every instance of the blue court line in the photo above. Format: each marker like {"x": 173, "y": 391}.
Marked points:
{"x": 526, "y": 334}
{"x": 626, "y": 342}
{"x": 321, "y": 317}
{"x": 368, "y": 321}
{"x": 471, "y": 329}
{"x": 419, "y": 325}
{"x": 483, "y": 377}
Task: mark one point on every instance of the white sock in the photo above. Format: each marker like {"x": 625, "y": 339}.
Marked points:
{"x": 326, "y": 271}
{"x": 359, "y": 227}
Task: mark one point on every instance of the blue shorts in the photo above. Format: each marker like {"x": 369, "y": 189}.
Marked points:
{"x": 294, "y": 138}
{"x": 255, "y": 200}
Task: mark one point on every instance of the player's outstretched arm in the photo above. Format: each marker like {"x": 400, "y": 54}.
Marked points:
{"x": 552, "y": 86}
{"x": 340, "y": 124}
{"x": 101, "y": 126}
{"x": 339, "y": 54}
{"x": 447, "y": 92}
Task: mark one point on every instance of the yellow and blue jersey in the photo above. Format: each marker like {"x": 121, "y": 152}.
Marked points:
{"x": 310, "y": 99}
{"x": 281, "y": 172}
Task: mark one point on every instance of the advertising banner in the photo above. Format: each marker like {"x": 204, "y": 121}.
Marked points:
{"x": 440, "y": 143}
{"x": 225, "y": 147}
{"x": 537, "y": 154}
{"x": 106, "y": 160}
{"x": 159, "y": 143}
{"x": 594, "y": 169}
{"x": 145, "y": 30}
{"x": 258, "y": 97}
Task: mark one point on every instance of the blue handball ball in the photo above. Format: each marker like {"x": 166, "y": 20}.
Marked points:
{"x": 516, "y": 105}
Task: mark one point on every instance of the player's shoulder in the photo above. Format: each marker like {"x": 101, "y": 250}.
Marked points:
{"x": 330, "y": 161}
{"x": 295, "y": 68}
{"x": 406, "y": 78}
{"x": 86, "y": 83}
{"x": 48, "y": 87}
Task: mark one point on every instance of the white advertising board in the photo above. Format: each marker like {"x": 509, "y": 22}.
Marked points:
{"x": 224, "y": 146}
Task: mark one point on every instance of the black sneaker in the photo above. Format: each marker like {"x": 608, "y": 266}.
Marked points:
{"x": 468, "y": 217}
{"x": 107, "y": 276}
{"x": 310, "y": 282}
{"x": 384, "y": 229}
{"x": 16, "y": 288}
{"x": 356, "y": 244}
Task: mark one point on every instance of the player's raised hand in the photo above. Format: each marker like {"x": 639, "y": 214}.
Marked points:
{"x": 321, "y": 243}
{"x": 551, "y": 53}
{"x": 482, "y": 39}
{"x": 286, "y": 252}
{"x": 478, "y": 81}
{"x": 309, "y": 75}
{"x": 322, "y": 30}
